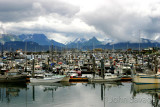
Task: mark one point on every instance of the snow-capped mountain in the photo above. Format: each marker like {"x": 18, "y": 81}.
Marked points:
{"x": 80, "y": 40}
{"x": 80, "y": 43}
{"x": 106, "y": 40}
{"x": 77, "y": 40}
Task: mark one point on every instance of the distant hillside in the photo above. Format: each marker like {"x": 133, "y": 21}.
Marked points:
{"x": 94, "y": 43}
{"x": 31, "y": 46}
{"x": 125, "y": 45}
{"x": 8, "y": 37}
{"x": 14, "y": 45}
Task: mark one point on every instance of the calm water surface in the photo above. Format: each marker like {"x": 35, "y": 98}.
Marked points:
{"x": 79, "y": 95}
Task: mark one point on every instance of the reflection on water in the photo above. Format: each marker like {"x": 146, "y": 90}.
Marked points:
{"x": 105, "y": 86}
{"x": 152, "y": 90}
{"x": 79, "y": 94}
{"x": 10, "y": 90}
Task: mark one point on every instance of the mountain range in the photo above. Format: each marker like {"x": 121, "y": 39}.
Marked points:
{"x": 40, "y": 42}
{"x": 82, "y": 43}
{"x": 41, "y": 39}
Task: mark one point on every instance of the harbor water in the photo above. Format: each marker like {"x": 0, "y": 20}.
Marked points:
{"x": 125, "y": 94}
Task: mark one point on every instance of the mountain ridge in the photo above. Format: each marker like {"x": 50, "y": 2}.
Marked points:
{"x": 80, "y": 43}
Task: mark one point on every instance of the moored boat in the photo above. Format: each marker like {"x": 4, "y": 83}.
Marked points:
{"x": 50, "y": 78}
{"x": 107, "y": 78}
{"x": 146, "y": 79}
{"x": 12, "y": 76}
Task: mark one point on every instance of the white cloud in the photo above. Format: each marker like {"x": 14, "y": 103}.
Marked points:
{"x": 59, "y": 37}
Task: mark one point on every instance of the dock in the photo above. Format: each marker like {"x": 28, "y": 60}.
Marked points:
{"x": 78, "y": 79}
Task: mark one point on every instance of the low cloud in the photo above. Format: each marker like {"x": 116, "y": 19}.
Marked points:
{"x": 123, "y": 22}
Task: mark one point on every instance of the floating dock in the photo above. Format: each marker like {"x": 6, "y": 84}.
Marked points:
{"x": 78, "y": 79}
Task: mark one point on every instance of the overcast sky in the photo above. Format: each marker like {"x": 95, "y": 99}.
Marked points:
{"x": 64, "y": 20}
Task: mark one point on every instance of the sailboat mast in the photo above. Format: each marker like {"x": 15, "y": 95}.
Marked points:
{"x": 33, "y": 67}
{"x": 94, "y": 65}
{"x": 102, "y": 68}
{"x": 139, "y": 41}
{"x": 52, "y": 53}
{"x": 26, "y": 55}
{"x": 127, "y": 48}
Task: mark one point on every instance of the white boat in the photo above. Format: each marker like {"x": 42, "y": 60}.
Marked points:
{"x": 12, "y": 76}
{"x": 107, "y": 78}
{"x": 50, "y": 78}
{"x": 74, "y": 73}
{"x": 146, "y": 79}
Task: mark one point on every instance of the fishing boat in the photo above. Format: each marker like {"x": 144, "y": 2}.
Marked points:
{"x": 76, "y": 76}
{"x": 126, "y": 72}
{"x": 103, "y": 76}
{"x": 149, "y": 76}
{"x": 12, "y": 76}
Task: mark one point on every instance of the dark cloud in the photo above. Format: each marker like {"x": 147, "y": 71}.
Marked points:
{"x": 153, "y": 26}
{"x": 18, "y": 10}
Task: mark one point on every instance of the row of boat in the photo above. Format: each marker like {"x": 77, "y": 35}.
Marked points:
{"x": 92, "y": 67}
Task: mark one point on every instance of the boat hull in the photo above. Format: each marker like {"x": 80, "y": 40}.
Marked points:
{"x": 78, "y": 79}
{"x": 104, "y": 80}
{"x": 66, "y": 79}
{"x": 126, "y": 78}
{"x": 12, "y": 79}
{"x": 146, "y": 79}
{"x": 42, "y": 80}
